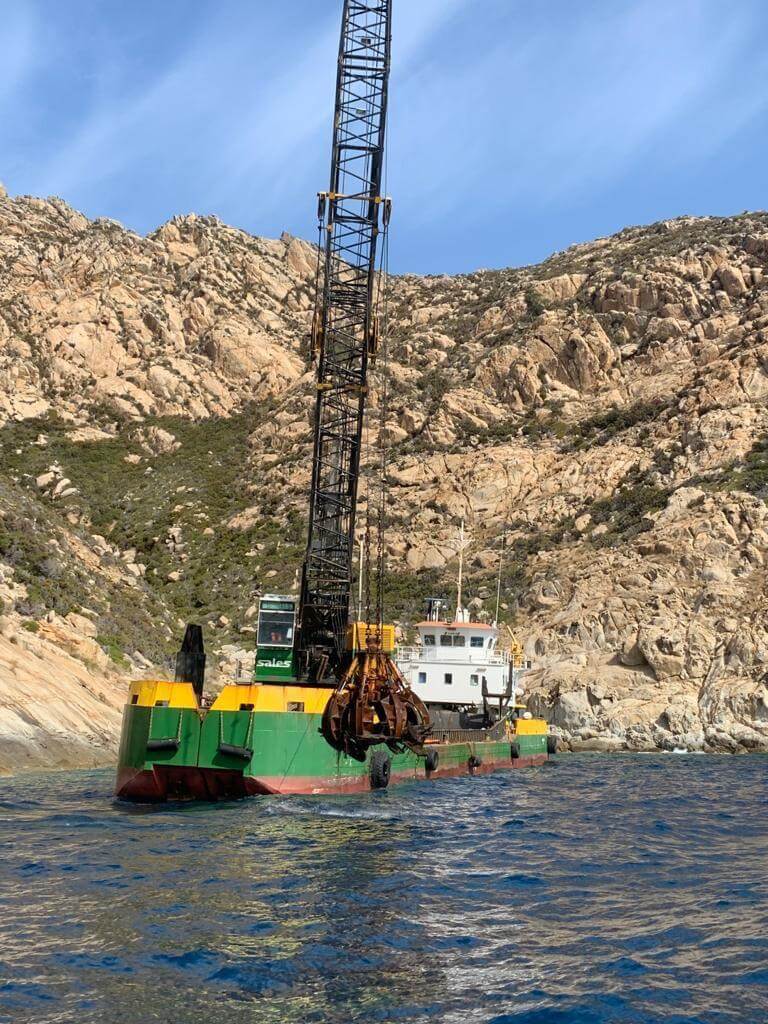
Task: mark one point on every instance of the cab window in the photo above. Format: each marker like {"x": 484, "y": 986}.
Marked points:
{"x": 446, "y": 640}
{"x": 275, "y": 629}
{"x": 429, "y": 639}
{"x": 476, "y": 641}
{"x": 459, "y": 640}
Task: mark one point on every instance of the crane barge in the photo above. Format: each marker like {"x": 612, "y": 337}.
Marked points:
{"x": 328, "y": 709}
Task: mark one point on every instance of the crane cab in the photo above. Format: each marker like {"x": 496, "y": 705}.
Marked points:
{"x": 275, "y": 637}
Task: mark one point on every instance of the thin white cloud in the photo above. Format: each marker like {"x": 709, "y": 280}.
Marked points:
{"x": 646, "y": 72}
{"x": 127, "y": 129}
{"x": 239, "y": 122}
{"x": 17, "y": 50}
{"x": 298, "y": 103}
{"x": 521, "y": 109}
{"x": 546, "y": 116}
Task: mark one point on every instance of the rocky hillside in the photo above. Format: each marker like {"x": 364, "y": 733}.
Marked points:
{"x": 605, "y": 411}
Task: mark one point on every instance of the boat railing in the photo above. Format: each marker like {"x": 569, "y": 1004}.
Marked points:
{"x": 498, "y": 731}
{"x": 461, "y": 655}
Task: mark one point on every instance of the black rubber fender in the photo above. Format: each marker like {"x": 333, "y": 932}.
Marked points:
{"x": 231, "y": 750}
{"x": 379, "y": 767}
{"x": 431, "y": 761}
{"x": 473, "y": 762}
{"x": 551, "y": 744}
{"x": 163, "y": 744}
{"x": 514, "y": 750}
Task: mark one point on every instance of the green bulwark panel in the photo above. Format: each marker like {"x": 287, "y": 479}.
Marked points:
{"x": 233, "y": 731}
{"x": 532, "y": 746}
{"x": 180, "y": 724}
{"x": 142, "y": 724}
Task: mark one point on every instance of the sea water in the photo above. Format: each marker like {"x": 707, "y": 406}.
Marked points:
{"x": 594, "y": 889}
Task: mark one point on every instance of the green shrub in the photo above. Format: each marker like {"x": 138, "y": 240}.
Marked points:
{"x": 534, "y": 302}
{"x": 601, "y": 428}
{"x": 623, "y": 512}
{"x": 749, "y": 474}
{"x": 111, "y": 646}
{"x": 538, "y": 429}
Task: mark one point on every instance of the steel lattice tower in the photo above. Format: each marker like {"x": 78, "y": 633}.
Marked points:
{"x": 344, "y": 333}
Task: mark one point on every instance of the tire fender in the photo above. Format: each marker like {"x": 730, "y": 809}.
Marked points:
{"x": 379, "y": 769}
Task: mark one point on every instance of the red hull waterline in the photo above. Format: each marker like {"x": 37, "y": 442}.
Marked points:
{"x": 168, "y": 782}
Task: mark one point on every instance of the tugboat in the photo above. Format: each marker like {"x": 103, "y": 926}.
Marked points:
{"x": 459, "y": 671}
{"x": 328, "y": 710}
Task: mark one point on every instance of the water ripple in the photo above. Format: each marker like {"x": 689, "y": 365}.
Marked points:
{"x": 621, "y": 890}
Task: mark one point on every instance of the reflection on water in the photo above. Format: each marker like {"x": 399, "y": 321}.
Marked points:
{"x": 622, "y": 889}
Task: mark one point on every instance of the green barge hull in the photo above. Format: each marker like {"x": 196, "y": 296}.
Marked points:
{"x": 259, "y": 739}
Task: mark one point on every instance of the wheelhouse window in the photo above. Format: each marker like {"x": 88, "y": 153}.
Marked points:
{"x": 474, "y": 680}
{"x": 446, "y": 640}
{"x": 459, "y": 640}
{"x": 449, "y": 678}
{"x": 476, "y": 641}
{"x": 276, "y": 622}
{"x": 422, "y": 677}
{"x": 429, "y": 639}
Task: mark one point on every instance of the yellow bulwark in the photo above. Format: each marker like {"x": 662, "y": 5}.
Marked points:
{"x": 531, "y": 727}
{"x": 308, "y": 700}
{"x": 358, "y": 633}
{"x": 150, "y": 693}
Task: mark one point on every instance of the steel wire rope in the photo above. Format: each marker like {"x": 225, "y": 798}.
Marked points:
{"x": 368, "y": 97}
{"x": 383, "y": 290}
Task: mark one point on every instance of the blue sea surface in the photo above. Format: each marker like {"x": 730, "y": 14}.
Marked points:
{"x": 593, "y": 890}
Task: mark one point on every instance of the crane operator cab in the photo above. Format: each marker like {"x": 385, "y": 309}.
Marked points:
{"x": 274, "y": 638}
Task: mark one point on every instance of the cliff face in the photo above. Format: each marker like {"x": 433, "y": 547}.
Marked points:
{"x": 606, "y": 411}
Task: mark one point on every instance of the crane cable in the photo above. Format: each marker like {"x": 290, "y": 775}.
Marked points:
{"x": 382, "y": 285}
{"x": 383, "y": 300}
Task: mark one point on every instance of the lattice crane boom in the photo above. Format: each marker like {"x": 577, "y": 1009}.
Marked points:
{"x": 351, "y": 214}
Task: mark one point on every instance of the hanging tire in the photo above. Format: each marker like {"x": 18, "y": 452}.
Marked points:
{"x": 514, "y": 750}
{"x": 431, "y": 761}
{"x": 473, "y": 763}
{"x": 551, "y": 744}
{"x": 379, "y": 768}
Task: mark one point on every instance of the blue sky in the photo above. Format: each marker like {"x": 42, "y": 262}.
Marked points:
{"x": 517, "y": 126}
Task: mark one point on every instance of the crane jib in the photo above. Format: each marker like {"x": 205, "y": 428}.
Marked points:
{"x": 351, "y": 216}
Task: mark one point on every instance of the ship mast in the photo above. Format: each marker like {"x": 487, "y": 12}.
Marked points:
{"x": 459, "y": 610}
